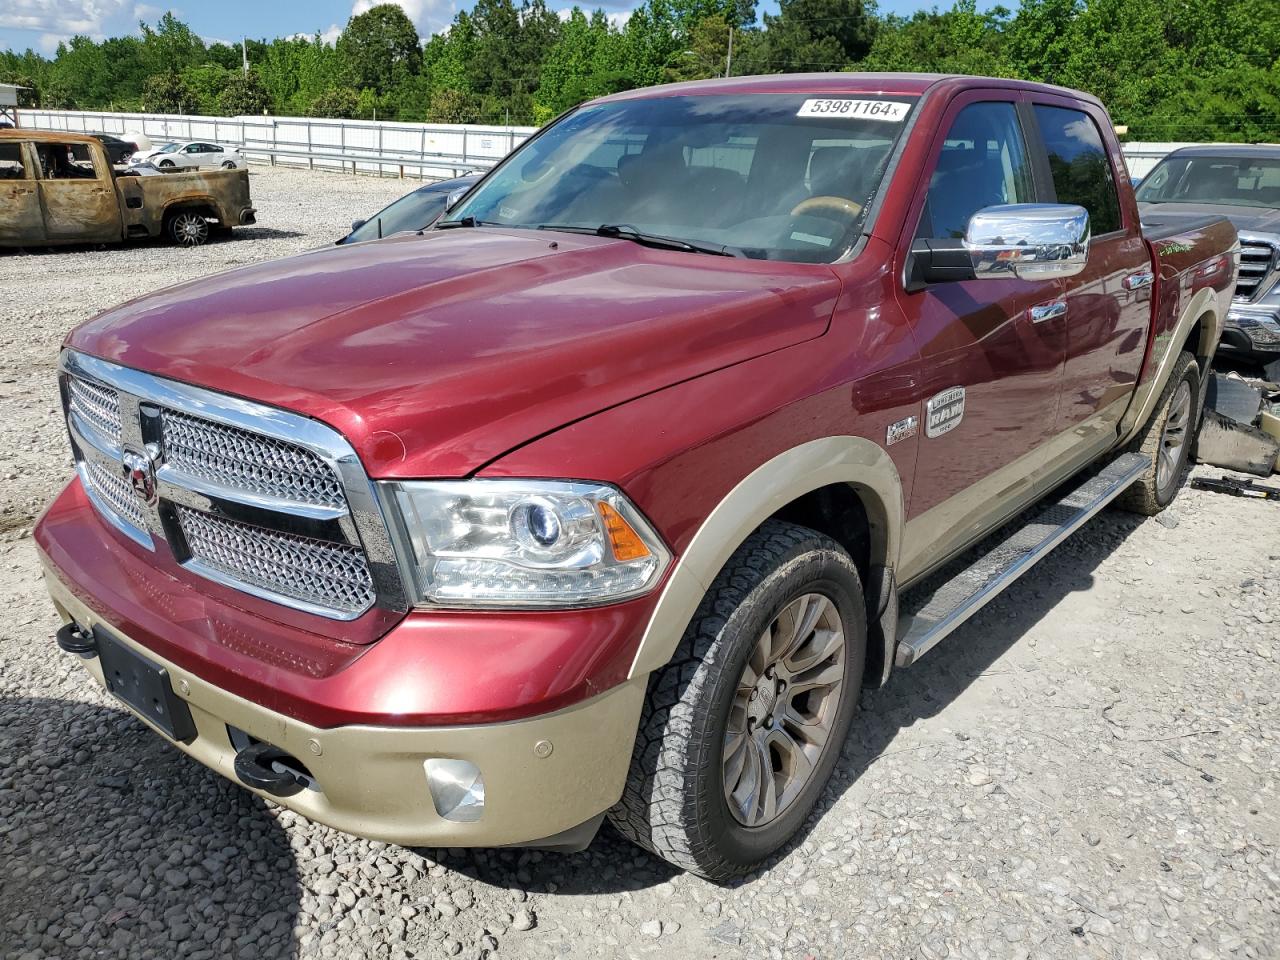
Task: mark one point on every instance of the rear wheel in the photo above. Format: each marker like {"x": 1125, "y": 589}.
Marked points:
{"x": 743, "y": 727}
{"x": 189, "y": 228}
{"x": 1167, "y": 440}
{"x": 228, "y": 164}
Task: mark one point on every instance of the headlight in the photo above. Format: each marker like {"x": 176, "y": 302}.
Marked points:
{"x": 488, "y": 543}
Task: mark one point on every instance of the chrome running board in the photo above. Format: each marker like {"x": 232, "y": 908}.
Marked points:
{"x": 932, "y": 616}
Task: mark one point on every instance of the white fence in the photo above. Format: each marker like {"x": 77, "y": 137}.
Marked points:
{"x": 370, "y": 146}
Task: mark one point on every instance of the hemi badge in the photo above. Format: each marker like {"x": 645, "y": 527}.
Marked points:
{"x": 900, "y": 431}
{"x": 944, "y": 411}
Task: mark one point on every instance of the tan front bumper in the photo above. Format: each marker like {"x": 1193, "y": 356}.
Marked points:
{"x": 372, "y": 781}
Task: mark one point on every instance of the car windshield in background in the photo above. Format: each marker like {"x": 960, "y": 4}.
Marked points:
{"x": 1240, "y": 181}
{"x": 411, "y": 212}
{"x": 777, "y": 177}
{"x": 166, "y": 148}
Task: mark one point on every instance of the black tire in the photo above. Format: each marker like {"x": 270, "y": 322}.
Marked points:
{"x": 1158, "y": 486}
{"x": 674, "y": 802}
{"x": 228, "y": 165}
{"x": 187, "y": 228}
{"x": 165, "y": 163}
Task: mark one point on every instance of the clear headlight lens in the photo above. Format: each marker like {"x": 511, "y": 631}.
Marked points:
{"x": 545, "y": 543}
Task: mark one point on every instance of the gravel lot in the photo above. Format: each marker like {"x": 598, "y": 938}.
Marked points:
{"x": 1088, "y": 769}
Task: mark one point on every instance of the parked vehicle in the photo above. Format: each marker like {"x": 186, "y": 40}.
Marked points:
{"x": 60, "y": 188}
{"x": 605, "y": 495}
{"x": 191, "y": 155}
{"x": 118, "y": 151}
{"x": 414, "y": 211}
{"x": 1241, "y": 183}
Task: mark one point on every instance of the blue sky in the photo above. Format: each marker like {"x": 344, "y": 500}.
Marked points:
{"x": 40, "y": 24}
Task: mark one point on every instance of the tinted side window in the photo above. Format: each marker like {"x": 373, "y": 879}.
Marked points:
{"x": 983, "y": 163}
{"x": 1078, "y": 161}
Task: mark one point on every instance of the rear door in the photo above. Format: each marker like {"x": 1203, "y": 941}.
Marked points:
{"x": 21, "y": 222}
{"x": 1109, "y": 303}
{"x": 77, "y": 193}
{"x": 991, "y": 376}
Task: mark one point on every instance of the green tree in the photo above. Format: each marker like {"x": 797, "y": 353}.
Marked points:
{"x": 243, "y": 95}
{"x": 167, "y": 93}
{"x": 453, "y": 106}
{"x": 338, "y": 103}
{"x": 380, "y": 47}
{"x": 706, "y": 54}
{"x": 813, "y": 35}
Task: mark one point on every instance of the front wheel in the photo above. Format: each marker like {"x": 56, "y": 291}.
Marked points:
{"x": 167, "y": 164}
{"x": 1167, "y": 440}
{"x": 743, "y": 727}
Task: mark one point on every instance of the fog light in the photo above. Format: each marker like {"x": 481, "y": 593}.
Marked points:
{"x": 457, "y": 789}
{"x": 1262, "y": 331}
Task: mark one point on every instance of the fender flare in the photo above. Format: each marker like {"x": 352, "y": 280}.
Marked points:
{"x": 855, "y": 461}
{"x": 1202, "y": 303}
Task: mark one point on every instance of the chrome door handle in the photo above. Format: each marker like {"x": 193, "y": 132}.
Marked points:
{"x": 1048, "y": 311}
{"x": 1136, "y": 281}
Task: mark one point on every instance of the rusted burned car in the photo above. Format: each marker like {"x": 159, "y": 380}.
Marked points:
{"x": 58, "y": 188}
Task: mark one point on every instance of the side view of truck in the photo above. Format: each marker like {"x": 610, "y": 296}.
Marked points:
{"x": 59, "y": 188}
{"x": 607, "y": 494}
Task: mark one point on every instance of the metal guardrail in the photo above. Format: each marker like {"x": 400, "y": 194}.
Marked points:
{"x": 359, "y": 145}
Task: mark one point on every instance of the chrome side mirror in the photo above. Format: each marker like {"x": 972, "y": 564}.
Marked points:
{"x": 1030, "y": 241}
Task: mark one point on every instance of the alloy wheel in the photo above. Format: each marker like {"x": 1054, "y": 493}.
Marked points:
{"x": 190, "y": 229}
{"x": 784, "y": 708}
{"x": 1174, "y": 437}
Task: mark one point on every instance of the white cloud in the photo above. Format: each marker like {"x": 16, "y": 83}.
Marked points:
{"x": 58, "y": 20}
{"x": 429, "y": 16}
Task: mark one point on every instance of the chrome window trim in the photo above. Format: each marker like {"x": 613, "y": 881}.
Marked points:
{"x": 362, "y": 522}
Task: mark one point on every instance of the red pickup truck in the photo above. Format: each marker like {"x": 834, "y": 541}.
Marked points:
{"x": 607, "y": 494}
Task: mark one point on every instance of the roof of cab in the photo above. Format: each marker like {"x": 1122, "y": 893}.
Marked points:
{"x": 885, "y": 84}
{"x": 46, "y": 136}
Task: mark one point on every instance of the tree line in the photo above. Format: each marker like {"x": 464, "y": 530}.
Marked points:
{"x": 1169, "y": 69}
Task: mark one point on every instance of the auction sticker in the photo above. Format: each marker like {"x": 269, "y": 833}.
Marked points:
{"x": 890, "y": 110}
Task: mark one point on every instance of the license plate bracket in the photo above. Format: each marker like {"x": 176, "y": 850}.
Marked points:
{"x": 144, "y": 685}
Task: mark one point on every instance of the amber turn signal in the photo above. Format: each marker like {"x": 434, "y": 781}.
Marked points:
{"x": 626, "y": 543}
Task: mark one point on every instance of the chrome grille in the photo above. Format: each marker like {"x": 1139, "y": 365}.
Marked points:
{"x": 239, "y": 459}
{"x": 98, "y": 405}
{"x": 308, "y": 531}
{"x": 114, "y": 489}
{"x": 315, "y": 572}
{"x": 1257, "y": 260}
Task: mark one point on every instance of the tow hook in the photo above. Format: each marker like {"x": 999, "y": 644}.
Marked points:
{"x": 74, "y": 638}
{"x": 255, "y": 766}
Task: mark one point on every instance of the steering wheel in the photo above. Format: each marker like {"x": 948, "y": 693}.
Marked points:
{"x": 841, "y": 206}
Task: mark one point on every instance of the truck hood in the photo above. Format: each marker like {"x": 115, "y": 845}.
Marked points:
{"x": 435, "y": 354}
{"x": 1246, "y": 219}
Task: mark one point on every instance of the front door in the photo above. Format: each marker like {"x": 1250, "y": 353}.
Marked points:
{"x": 1109, "y": 303}
{"x": 990, "y": 374}
{"x": 21, "y": 223}
{"x": 77, "y": 194}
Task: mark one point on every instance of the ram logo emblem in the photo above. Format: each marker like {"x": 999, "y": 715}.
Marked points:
{"x": 944, "y": 412}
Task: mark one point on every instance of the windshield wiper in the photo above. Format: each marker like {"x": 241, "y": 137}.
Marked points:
{"x": 623, "y": 231}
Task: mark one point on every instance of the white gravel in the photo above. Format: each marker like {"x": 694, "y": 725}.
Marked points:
{"x": 1088, "y": 769}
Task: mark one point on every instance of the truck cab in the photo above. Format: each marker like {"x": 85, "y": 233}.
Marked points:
{"x": 61, "y": 188}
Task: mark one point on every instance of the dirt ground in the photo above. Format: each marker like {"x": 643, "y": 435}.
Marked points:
{"x": 1088, "y": 768}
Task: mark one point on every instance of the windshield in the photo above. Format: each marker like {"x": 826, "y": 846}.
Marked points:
{"x": 166, "y": 148}
{"x": 411, "y": 212}
{"x": 768, "y": 176}
{"x": 1239, "y": 181}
